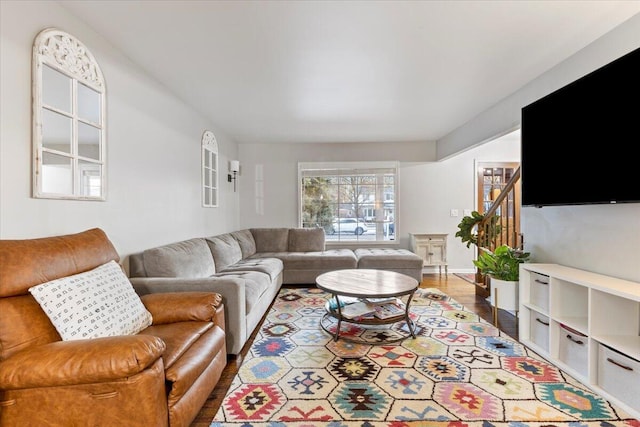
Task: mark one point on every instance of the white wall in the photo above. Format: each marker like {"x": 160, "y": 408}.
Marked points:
{"x": 153, "y": 150}
{"x": 600, "y": 238}
{"x": 427, "y": 192}
{"x": 279, "y": 165}
{"x": 436, "y": 188}
{"x": 505, "y": 114}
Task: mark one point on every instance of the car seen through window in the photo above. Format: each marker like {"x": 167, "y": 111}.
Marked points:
{"x": 348, "y": 225}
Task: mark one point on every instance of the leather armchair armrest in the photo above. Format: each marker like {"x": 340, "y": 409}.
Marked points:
{"x": 232, "y": 290}
{"x": 95, "y": 360}
{"x": 171, "y": 307}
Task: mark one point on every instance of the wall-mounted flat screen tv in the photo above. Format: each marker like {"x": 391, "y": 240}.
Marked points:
{"x": 580, "y": 143}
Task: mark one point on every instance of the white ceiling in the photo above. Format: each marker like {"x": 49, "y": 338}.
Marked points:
{"x": 347, "y": 71}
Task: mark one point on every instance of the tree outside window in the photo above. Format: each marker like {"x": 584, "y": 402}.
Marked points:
{"x": 351, "y": 202}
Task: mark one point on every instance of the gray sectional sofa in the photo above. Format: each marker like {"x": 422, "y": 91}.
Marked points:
{"x": 248, "y": 267}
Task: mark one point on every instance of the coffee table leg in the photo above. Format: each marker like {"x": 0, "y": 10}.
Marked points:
{"x": 410, "y": 324}
{"x": 337, "y": 335}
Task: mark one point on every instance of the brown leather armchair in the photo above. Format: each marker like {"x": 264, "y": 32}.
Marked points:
{"x": 158, "y": 377}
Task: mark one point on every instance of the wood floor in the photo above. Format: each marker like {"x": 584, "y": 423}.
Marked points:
{"x": 457, "y": 288}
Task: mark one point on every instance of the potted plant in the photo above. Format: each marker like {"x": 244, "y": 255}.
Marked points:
{"x": 502, "y": 266}
{"x": 503, "y": 263}
{"x": 471, "y": 233}
{"x": 467, "y": 231}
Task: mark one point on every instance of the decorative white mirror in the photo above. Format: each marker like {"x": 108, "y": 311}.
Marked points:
{"x": 209, "y": 170}
{"x": 69, "y": 142}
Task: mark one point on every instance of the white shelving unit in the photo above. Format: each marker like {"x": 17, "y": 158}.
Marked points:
{"x": 588, "y": 325}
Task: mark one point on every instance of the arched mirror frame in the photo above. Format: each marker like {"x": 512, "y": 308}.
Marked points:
{"x": 210, "y": 172}
{"x": 69, "y": 120}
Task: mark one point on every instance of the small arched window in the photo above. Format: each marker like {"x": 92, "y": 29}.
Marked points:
{"x": 209, "y": 170}
{"x": 69, "y": 143}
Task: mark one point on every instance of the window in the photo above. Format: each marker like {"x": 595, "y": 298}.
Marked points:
{"x": 69, "y": 142}
{"x": 209, "y": 170}
{"x": 353, "y": 202}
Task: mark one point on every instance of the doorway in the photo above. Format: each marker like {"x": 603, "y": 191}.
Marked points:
{"x": 492, "y": 177}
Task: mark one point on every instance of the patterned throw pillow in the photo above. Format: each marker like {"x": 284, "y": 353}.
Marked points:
{"x": 97, "y": 303}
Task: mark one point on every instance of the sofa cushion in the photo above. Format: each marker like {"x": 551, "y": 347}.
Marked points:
{"x": 246, "y": 242}
{"x": 256, "y": 283}
{"x": 387, "y": 258}
{"x": 97, "y": 303}
{"x": 254, "y": 288}
{"x": 271, "y": 239}
{"x": 306, "y": 239}
{"x": 333, "y": 259}
{"x": 187, "y": 259}
{"x": 225, "y": 249}
{"x": 271, "y": 266}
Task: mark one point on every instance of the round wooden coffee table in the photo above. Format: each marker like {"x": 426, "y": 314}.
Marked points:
{"x": 367, "y": 283}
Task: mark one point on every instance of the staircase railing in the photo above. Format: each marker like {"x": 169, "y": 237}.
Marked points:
{"x": 501, "y": 223}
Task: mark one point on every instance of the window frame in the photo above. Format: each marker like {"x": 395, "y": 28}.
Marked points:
{"x": 210, "y": 170}
{"x": 379, "y": 169}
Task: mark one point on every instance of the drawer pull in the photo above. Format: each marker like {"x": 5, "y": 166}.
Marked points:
{"x": 574, "y": 340}
{"x": 542, "y": 321}
{"x": 628, "y": 368}
{"x": 541, "y": 282}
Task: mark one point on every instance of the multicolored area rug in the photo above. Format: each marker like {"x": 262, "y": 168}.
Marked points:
{"x": 459, "y": 371}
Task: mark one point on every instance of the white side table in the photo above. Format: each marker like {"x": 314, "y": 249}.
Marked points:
{"x": 432, "y": 248}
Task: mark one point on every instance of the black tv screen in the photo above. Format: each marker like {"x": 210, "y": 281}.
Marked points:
{"x": 579, "y": 143}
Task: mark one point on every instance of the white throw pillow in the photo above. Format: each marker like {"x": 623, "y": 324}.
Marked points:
{"x": 97, "y": 303}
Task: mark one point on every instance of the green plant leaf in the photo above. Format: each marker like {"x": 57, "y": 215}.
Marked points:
{"x": 503, "y": 263}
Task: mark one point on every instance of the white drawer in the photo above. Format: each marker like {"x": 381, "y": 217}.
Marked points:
{"x": 573, "y": 350}
{"x": 539, "y": 290}
{"x": 425, "y": 240}
{"x": 619, "y": 375}
{"x": 539, "y": 332}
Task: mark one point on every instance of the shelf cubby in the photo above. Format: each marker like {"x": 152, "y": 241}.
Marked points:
{"x": 539, "y": 287}
{"x": 569, "y": 304}
{"x": 615, "y": 321}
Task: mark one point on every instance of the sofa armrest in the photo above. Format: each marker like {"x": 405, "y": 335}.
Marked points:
{"x": 232, "y": 290}
{"x": 171, "y": 307}
{"x": 63, "y": 363}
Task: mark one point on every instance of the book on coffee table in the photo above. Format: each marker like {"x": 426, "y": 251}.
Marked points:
{"x": 357, "y": 309}
{"x": 390, "y": 309}
{"x": 380, "y": 301}
{"x": 344, "y": 300}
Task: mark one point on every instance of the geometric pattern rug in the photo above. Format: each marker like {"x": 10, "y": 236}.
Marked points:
{"x": 459, "y": 371}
